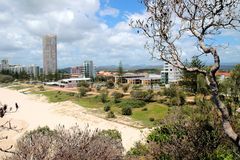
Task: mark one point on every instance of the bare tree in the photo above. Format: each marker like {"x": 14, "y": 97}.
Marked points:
{"x": 4, "y": 109}
{"x": 170, "y": 21}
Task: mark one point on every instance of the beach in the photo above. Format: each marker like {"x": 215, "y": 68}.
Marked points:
{"x": 35, "y": 111}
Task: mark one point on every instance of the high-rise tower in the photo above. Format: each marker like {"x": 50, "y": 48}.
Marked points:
{"x": 49, "y": 54}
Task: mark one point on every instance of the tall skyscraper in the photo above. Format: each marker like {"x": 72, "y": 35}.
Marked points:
{"x": 89, "y": 69}
{"x": 170, "y": 74}
{"x": 49, "y": 54}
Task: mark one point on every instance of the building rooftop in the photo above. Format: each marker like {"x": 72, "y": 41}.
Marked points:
{"x": 76, "y": 79}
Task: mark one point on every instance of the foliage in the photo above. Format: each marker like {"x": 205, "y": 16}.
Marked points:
{"x": 126, "y": 110}
{"x": 83, "y": 84}
{"x": 116, "y": 96}
{"x": 110, "y": 84}
{"x": 139, "y": 149}
{"x": 112, "y": 133}
{"x": 107, "y": 107}
{"x": 72, "y": 144}
{"x": 98, "y": 88}
{"x": 103, "y": 97}
{"x": 189, "y": 79}
{"x": 202, "y": 87}
{"x": 151, "y": 119}
{"x": 132, "y": 103}
{"x": 6, "y": 78}
{"x": 176, "y": 96}
{"x": 120, "y": 69}
{"x": 137, "y": 87}
{"x": 189, "y": 133}
{"x": 41, "y": 88}
{"x": 146, "y": 96}
{"x": 111, "y": 114}
{"x": 82, "y": 91}
{"x": 171, "y": 91}
{"x": 125, "y": 88}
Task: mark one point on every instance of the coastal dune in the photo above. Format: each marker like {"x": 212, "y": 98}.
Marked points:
{"x": 35, "y": 111}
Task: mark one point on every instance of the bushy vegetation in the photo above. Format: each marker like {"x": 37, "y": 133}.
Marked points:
{"x": 103, "y": 97}
{"x": 71, "y": 144}
{"x": 127, "y": 110}
{"x": 82, "y": 91}
{"x": 132, "y": 103}
{"x": 107, "y": 107}
{"x": 6, "y": 78}
{"x": 188, "y": 133}
{"x": 125, "y": 88}
{"x": 110, "y": 84}
{"x": 142, "y": 95}
{"x": 116, "y": 96}
{"x": 83, "y": 84}
{"x": 176, "y": 97}
{"x": 111, "y": 114}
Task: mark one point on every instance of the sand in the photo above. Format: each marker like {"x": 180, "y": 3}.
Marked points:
{"x": 35, "y": 111}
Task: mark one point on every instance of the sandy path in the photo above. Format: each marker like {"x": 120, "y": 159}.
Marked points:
{"x": 34, "y": 111}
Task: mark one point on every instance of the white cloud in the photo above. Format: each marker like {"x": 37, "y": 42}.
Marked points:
{"x": 109, "y": 11}
{"x": 81, "y": 33}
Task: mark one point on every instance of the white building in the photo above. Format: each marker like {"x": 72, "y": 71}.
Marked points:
{"x": 4, "y": 65}
{"x": 170, "y": 74}
{"x": 89, "y": 69}
{"x": 72, "y": 82}
{"x": 32, "y": 70}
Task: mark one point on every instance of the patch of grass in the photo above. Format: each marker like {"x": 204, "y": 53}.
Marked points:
{"x": 89, "y": 102}
{"x": 154, "y": 110}
{"x": 56, "y": 96}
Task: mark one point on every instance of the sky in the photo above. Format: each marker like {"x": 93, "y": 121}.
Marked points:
{"x": 95, "y": 30}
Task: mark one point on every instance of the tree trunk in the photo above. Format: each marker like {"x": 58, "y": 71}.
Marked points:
{"x": 227, "y": 127}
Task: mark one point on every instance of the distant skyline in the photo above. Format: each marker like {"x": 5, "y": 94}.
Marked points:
{"x": 95, "y": 30}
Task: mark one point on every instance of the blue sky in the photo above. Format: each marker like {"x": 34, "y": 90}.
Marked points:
{"x": 95, "y": 30}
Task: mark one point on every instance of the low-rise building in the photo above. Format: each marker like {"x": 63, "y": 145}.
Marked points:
{"x": 72, "y": 82}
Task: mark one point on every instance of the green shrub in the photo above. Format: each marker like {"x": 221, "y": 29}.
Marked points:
{"x": 175, "y": 101}
{"x": 127, "y": 111}
{"x": 125, "y": 88}
{"x": 142, "y": 95}
{"x": 82, "y": 91}
{"x": 107, "y": 107}
{"x": 144, "y": 109}
{"x": 41, "y": 88}
{"x": 111, "y": 114}
{"x": 182, "y": 98}
{"x": 151, "y": 119}
{"x": 139, "y": 149}
{"x": 70, "y": 93}
{"x": 132, "y": 103}
{"x": 110, "y": 84}
{"x": 6, "y": 78}
{"x": 103, "y": 97}
{"x": 98, "y": 88}
{"x": 83, "y": 84}
{"x": 111, "y": 133}
{"x": 137, "y": 87}
{"x": 171, "y": 91}
{"x": 117, "y": 96}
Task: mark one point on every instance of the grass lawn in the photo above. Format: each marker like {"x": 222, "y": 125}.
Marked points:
{"x": 154, "y": 110}
{"x": 89, "y": 102}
